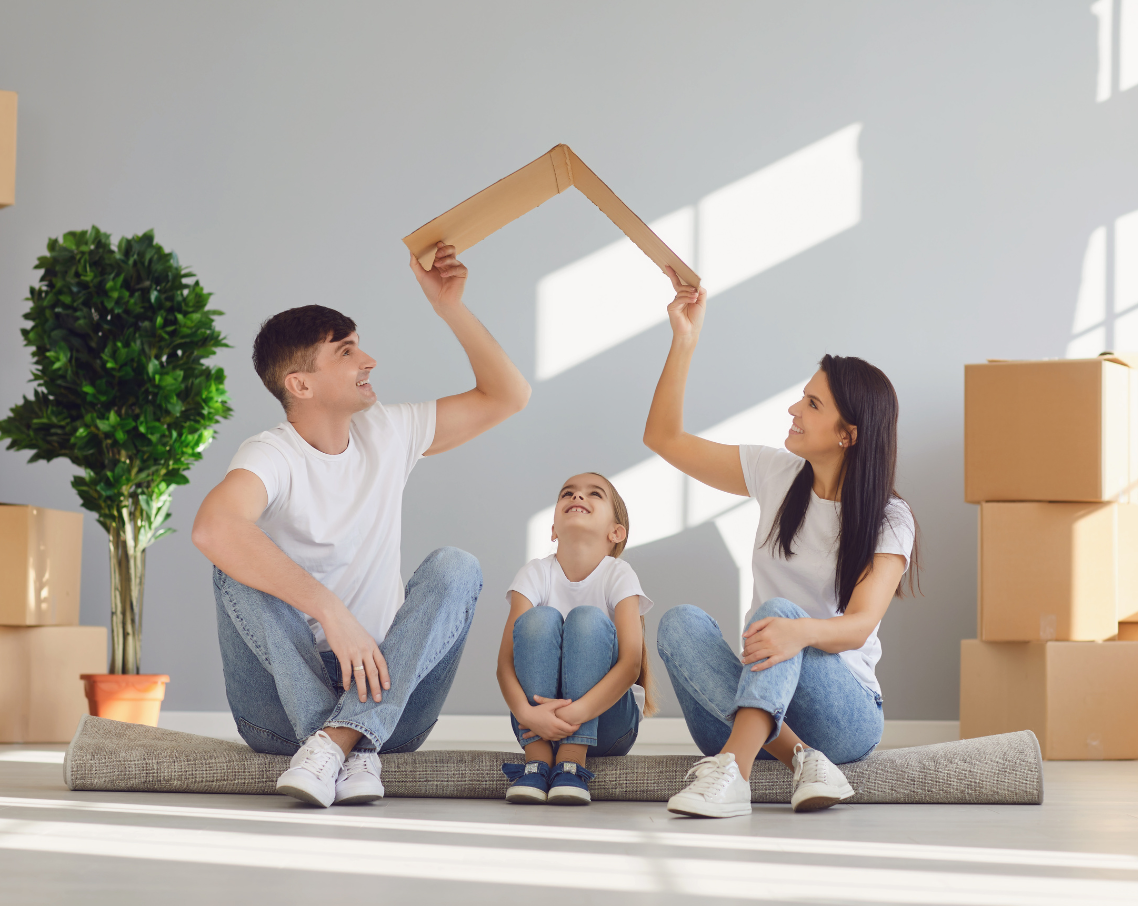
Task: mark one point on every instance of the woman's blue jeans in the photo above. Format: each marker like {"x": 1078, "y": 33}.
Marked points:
{"x": 565, "y": 658}
{"x": 814, "y": 692}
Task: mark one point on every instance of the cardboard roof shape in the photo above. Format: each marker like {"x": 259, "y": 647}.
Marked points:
{"x": 519, "y": 193}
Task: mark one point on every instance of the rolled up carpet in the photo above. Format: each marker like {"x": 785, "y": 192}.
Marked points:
{"x": 108, "y": 755}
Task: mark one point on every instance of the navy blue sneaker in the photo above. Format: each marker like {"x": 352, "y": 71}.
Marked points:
{"x": 569, "y": 784}
{"x": 529, "y": 782}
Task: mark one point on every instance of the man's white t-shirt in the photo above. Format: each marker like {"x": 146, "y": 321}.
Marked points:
{"x": 339, "y": 516}
{"x": 807, "y": 578}
{"x": 545, "y": 584}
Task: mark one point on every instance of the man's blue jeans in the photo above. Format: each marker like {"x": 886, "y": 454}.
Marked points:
{"x": 557, "y": 658}
{"x": 282, "y": 690}
{"x": 814, "y": 692}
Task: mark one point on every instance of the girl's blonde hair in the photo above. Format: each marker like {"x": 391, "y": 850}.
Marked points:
{"x": 645, "y": 680}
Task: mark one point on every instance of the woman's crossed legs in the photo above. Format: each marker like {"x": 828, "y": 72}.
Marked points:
{"x": 728, "y": 706}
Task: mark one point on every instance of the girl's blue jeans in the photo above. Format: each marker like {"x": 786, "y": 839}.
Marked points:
{"x": 565, "y": 658}
{"x": 813, "y": 692}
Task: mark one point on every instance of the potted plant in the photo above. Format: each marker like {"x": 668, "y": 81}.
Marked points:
{"x": 119, "y": 337}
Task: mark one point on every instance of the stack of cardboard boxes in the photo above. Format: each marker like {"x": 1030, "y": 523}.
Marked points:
{"x": 1051, "y": 457}
{"x": 43, "y": 649}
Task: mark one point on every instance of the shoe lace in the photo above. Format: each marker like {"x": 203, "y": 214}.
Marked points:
{"x": 809, "y": 766}
{"x": 358, "y": 763}
{"x": 320, "y": 754}
{"x": 710, "y": 776}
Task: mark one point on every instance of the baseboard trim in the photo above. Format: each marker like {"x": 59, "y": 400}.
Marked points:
{"x": 482, "y": 729}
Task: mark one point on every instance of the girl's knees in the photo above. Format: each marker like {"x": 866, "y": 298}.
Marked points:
{"x": 588, "y": 620}
{"x": 537, "y": 622}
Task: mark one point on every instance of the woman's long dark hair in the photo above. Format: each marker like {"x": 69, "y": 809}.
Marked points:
{"x": 866, "y": 399}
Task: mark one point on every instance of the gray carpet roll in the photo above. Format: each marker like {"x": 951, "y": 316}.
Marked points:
{"x": 108, "y": 755}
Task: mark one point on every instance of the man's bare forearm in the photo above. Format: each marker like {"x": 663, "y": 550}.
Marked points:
{"x": 494, "y": 374}
{"x": 244, "y": 553}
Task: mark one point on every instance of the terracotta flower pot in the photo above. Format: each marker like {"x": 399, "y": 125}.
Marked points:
{"x": 131, "y": 698}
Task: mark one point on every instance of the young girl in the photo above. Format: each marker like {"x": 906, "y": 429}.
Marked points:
{"x": 573, "y": 665}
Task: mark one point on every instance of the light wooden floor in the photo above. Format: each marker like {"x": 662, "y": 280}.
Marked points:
{"x": 123, "y": 849}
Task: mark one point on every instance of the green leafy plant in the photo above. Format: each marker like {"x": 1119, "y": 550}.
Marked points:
{"x": 119, "y": 338}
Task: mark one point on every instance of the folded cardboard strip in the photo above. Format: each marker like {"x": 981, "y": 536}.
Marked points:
{"x": 1077, "y": 697}
{"x": 41, "y": 695}
{"x": 1056, "y": 430}
{"x": 41, "y": 555}
{"x": 523, "y": 190}
{"x": 7, "y": 148}
{"x": 1056, "y": 571}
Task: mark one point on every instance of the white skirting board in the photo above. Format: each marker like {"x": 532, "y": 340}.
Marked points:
{"x": 480, "y": 729}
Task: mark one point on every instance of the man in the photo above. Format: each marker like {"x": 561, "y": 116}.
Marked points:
{"x": 326, "y": 656}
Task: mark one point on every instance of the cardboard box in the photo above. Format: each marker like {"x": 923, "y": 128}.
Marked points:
{"x": 523, "y": 190}
{"x": 41, "y": 555}
{"x": 1056, "y": 571}
{"x": 7, "y": 148}
{"x": 41, "y": 695}
{"x": 1077, "y": 697}
{"x": 1065, "y": 429}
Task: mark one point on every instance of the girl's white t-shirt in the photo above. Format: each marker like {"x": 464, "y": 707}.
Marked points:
{"x": 807, "y": 578}
{"x": 339, "y": 516}
{"x": 544, "y": 584}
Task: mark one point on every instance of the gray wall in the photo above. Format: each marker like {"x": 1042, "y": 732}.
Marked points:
{"x": 282, "y": 149}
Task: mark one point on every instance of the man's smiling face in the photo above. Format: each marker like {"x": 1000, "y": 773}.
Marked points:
{"x": 342, "y": 379}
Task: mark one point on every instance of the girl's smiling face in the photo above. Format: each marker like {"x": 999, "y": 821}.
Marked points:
{"x": 585, "y": 512}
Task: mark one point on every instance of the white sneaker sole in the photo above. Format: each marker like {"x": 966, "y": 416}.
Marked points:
{"x": 701, "y": 808}
{"x": 568, "y": 795}
{"x": 812, "y": 797}
{"x": 359, "y": 798}
{"x": 297, "y": 788}
{"x": 525, "y": 795}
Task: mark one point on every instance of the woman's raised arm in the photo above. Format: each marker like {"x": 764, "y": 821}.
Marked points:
{"x": 704, "y": 460}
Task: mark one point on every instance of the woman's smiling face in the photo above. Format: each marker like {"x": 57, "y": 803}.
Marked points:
{"x": 817, "y": 429}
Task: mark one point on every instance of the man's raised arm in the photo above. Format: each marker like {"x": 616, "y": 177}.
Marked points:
{"x": 500, "y": 389}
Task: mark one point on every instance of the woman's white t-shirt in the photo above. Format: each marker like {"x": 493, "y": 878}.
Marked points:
{"x": 339, "y": 516}
{"x": 807, "y": 578}
{"x": 544, "y": 584}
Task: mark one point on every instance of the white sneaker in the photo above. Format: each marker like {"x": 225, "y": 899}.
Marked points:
{"x": 817, "y": 783}
{"x": 313, "y": 770}
{"x": 359, "y": 779}
{"x": 718, "y": 791}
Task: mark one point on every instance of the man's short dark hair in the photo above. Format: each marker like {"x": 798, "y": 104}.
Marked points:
{"x": 289, "y": 342}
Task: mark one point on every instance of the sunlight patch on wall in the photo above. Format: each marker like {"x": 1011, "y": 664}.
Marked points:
{"x": 780, "y": 211}
{"x": 1089, "y": 330}
{"x": 743, "y": 229}
{"x": 1103, "y": 10}
{"x": 1128, "y": 45}
{"x": 605, "y": 298}
{"x": 1126, "y": 282}
{"x": 1106, "y": 311}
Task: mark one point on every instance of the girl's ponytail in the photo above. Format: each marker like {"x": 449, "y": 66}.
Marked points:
{"x": 646, "y": 681}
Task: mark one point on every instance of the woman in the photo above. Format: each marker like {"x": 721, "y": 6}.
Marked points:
{"x": 833, "y": 545}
